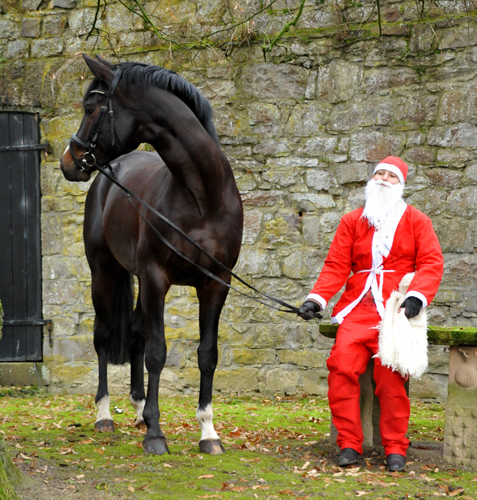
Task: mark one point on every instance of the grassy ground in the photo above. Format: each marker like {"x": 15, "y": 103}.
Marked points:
{"x": 276, "y": 448}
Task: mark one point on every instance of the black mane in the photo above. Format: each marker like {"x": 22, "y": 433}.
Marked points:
{"x": 157, "y": 76}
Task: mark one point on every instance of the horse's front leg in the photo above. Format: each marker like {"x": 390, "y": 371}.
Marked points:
{"x": 153, "y": 292}
{"x": 137, "y": 396}
{"x": 211, "y": 300}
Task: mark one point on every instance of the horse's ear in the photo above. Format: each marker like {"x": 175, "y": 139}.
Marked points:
{"x": 99, "y": 70}
{"x": 108, "y": 64}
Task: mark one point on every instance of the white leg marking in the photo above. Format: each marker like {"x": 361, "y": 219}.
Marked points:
{"x": 103, "y": 409}
{"x": 138, "y": 407}
{"x": 205, "y": 418}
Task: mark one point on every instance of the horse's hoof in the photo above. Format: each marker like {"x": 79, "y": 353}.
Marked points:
{"x": 105, "y": 425}
{"x": 211, "y": 446}
{"x": 140, "y": 424}
{"x": 155, "y": 446}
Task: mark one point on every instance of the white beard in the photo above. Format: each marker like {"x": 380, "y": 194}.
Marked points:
{"x": 382, "y": 200}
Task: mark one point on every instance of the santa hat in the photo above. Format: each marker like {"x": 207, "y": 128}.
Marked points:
{"x": 394, "y": 165}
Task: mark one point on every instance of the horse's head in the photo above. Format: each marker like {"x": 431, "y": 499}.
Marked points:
{"x": 106, "y": 129}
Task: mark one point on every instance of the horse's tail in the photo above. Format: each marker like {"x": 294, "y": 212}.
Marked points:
{"x": 119, "y": 347}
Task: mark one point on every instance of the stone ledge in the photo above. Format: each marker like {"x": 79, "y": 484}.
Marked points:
{"x": 438, "y": 335}
{"x": 22, "y": 374}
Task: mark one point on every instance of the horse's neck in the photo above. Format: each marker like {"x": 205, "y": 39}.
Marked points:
{"x": 196, "y": 162}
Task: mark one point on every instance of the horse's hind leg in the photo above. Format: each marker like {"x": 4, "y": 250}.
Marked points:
{"x": 211, "y": 301}
{"x": 111, "y": 290}
{"x": 137, "y": 396}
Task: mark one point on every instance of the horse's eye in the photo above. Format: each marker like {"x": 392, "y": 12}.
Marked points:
{"x": 88, "y": 111}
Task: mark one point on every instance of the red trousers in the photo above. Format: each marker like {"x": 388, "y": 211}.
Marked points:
{"x": 356, "y": 342}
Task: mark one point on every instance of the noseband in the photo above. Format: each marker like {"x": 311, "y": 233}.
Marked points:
{"x": 88, "y": 159}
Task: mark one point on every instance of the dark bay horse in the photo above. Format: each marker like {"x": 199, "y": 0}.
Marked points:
{"x": 192, "y": 184}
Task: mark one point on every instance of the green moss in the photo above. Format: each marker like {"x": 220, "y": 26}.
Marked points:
{"x": 438, "y": 335}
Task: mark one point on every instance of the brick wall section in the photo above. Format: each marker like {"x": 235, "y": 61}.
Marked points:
{"x": 302, "y": 129}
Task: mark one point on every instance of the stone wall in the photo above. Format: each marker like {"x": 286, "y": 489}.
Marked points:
{"x": 303, "y": 129}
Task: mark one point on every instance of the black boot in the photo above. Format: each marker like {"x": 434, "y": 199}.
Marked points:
{"x": 348, "y": 456}
{"x": 395, "y": 462}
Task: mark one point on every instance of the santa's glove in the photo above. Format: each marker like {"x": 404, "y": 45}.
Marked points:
{"x": 412, "y": 307}
{"x": 309, "y": 310}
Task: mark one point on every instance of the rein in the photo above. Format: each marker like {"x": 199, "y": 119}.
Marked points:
{"x": 89, "y": 160}
{"x": 111, "y": 175}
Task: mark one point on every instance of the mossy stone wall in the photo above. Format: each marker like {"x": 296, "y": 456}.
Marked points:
{"x": 303, "y": 129}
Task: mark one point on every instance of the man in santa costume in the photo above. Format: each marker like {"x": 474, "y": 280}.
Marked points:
{"x": 379, "y": 244}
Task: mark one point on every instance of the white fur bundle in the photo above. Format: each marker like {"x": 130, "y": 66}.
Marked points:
{"x": 402, "y": 341}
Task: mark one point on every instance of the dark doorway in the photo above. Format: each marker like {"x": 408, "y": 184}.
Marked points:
{"x": 20, "y": 243}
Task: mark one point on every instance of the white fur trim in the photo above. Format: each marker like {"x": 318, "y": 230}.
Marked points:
{"x": 317, "y": 298}
{"x": 419, "y": 296}
{"x": 391, "y": 168}
{"x": 402, "y": 341}
{"x": 205, "y": 418}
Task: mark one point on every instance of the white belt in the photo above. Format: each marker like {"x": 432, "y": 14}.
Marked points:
{"x": 379, "y": 271}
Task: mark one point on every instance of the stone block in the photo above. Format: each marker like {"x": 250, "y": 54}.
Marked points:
{"x": 416, "y": 109}
{"x": 229, "y": 121}
{"x": 463, "y": 135}
{"x": 29, "y": 5}
{"x": 311, "y": 202}
{"x": 281, "y": 381}
{"x": 385, "y": 114}
{"x": 318, "y": 146}
{"x": 338, "y": 81}
{"x": 423, "y": 38}
{"x": 381, "y": 79}
{"x": 315, "y": 382}
{"x": 46, "y": 48}
{"x": 50, "y": 235}
{"x": 457, "y": 37}
{"x": 374, "y": 146}
{"x": 264, "y": 118}
{"x": 429, "y": 201}
{"x": 280, "y": 177}
{"x": 251, "y": 226}
{"x": 54, "y": 25}
{"x": 308, "y": 359}
{"x": 354, "y": 172}
{"x": 17, "y": 49}
{"x": 462, "y": 202}
{"x": 308, "y": 119}
{"x": 23, "y": 374}
{"x": 320, "y": 179}
{"x": 31, "y": 27}
{"x": 281, "y": 229}
{"x": 452, "y": 107}
{"x": 420, "y": 155}
{"x": 253, "y": 356}
{"x": 263, "y": 199}
{"x": 443, "y": 177}
{"x": 454, "y": 235}
{"x": 311, "y": 230}
{"x": 60, "y": 292}
{"x": 301, "y": 265}
{"x": 265, "y": 336}
{"x": 8, "y": 29}
{"x": 270, "y": 81}
{"x": 64, "y": 4}
{"x": 236, "y": 381}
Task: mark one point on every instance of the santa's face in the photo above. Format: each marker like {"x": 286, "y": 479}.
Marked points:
{"x": 386, "y": 176}
{"x": 382, "y": 197}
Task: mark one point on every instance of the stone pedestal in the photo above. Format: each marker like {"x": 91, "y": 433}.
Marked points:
{"x": 460, "y": 435}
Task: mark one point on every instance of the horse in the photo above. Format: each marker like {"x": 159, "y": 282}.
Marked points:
{"x": 188, "y": 180}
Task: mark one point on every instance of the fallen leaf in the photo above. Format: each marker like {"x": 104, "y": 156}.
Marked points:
{"x": 131, "y": 488}
{"x": 206, "y": 476}
{"x": 361, "y": 493}
{"x": 452, "y": 492}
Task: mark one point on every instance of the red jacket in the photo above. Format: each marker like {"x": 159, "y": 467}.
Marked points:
{"x": 410, "y": 246}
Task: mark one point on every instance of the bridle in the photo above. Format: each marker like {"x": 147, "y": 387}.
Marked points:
{"x": 88, "y": 159}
